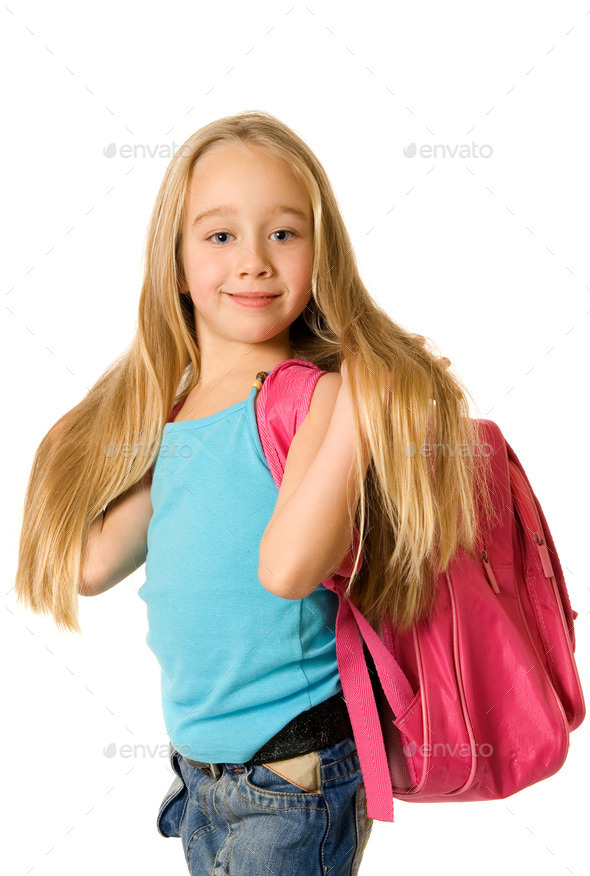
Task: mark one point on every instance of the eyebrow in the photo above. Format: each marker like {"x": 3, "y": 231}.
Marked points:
{"x": 228, "y": 210}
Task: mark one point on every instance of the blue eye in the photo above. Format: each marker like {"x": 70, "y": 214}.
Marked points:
{"x": 283, "y": 231}
{"x": 280, "y": 231}
{"x": 217, "y": 233}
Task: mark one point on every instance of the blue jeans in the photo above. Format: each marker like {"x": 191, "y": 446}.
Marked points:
{"x": 250, "y": 821}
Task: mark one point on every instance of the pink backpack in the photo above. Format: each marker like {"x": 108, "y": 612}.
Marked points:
{"x": 479, "y": 703}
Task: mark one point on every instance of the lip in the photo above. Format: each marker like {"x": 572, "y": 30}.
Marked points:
{"x": 252, "y": 299}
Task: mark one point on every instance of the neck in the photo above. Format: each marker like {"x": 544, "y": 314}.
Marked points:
{"x": 240, "y": 367}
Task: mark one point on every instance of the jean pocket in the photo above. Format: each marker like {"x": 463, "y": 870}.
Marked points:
{"x": 172, "y": 806}
{"x": 299, "y": 775}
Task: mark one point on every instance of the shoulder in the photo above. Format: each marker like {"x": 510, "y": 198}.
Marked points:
{"x": 293, "y": 393}
{"x": 302, "y": 449}
{"x": 324, "y": 396}
{"x": 287, "y": 394}
{"x": 307, "y": 394}
{"x": 316, "y": 420}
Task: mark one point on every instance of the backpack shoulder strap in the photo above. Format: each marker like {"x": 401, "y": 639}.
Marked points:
{"x": 283, "y": 404}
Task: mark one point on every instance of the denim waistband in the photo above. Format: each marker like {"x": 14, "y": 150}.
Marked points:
{"x": 318, "y": 727}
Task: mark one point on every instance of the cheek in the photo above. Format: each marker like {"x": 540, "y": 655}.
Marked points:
{"x": 302, "y": 264}
{"x": 203, "y": 274}
{"x": 306, "y": 271}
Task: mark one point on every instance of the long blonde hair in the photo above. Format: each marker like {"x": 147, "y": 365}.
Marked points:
{"x": 412, "y": 515}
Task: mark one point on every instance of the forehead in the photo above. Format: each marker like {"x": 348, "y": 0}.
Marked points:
{"x": 230, "y": 172}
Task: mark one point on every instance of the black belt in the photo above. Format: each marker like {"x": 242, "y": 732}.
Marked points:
{"x": 322, "y": 725}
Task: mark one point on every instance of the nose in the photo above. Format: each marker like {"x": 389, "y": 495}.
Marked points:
{"x": 254, "y": 261}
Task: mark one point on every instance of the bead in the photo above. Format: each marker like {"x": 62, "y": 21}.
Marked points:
{"x": 260, "y": 378}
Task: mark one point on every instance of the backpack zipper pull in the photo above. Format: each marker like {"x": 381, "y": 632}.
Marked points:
{"x": 544, "y": 555}
{"x": 490, "y": 572}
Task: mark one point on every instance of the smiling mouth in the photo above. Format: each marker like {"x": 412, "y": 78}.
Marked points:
{"x": 253, "y": 295}
{"x": 252, "y": 301}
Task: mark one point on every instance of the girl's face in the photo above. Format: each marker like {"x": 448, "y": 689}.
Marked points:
{"x": 248, "y": 228}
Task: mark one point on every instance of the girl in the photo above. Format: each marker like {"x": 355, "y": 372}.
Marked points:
{"x": 249, "y": 277}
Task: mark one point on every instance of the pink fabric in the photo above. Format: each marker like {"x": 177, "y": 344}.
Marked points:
{"x": 489, "y": 689}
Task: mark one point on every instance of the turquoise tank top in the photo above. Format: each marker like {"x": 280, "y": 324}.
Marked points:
{"x": 237, "y": 662}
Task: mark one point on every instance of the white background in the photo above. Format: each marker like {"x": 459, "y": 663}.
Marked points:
{"x": 488, "y": 256}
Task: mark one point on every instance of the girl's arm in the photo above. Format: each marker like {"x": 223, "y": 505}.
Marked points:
{"x": 117, "y": 540}
{"x": 310, "y": 530}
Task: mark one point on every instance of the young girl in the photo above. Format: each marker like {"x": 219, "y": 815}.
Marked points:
{"x": 250, "y": 277}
